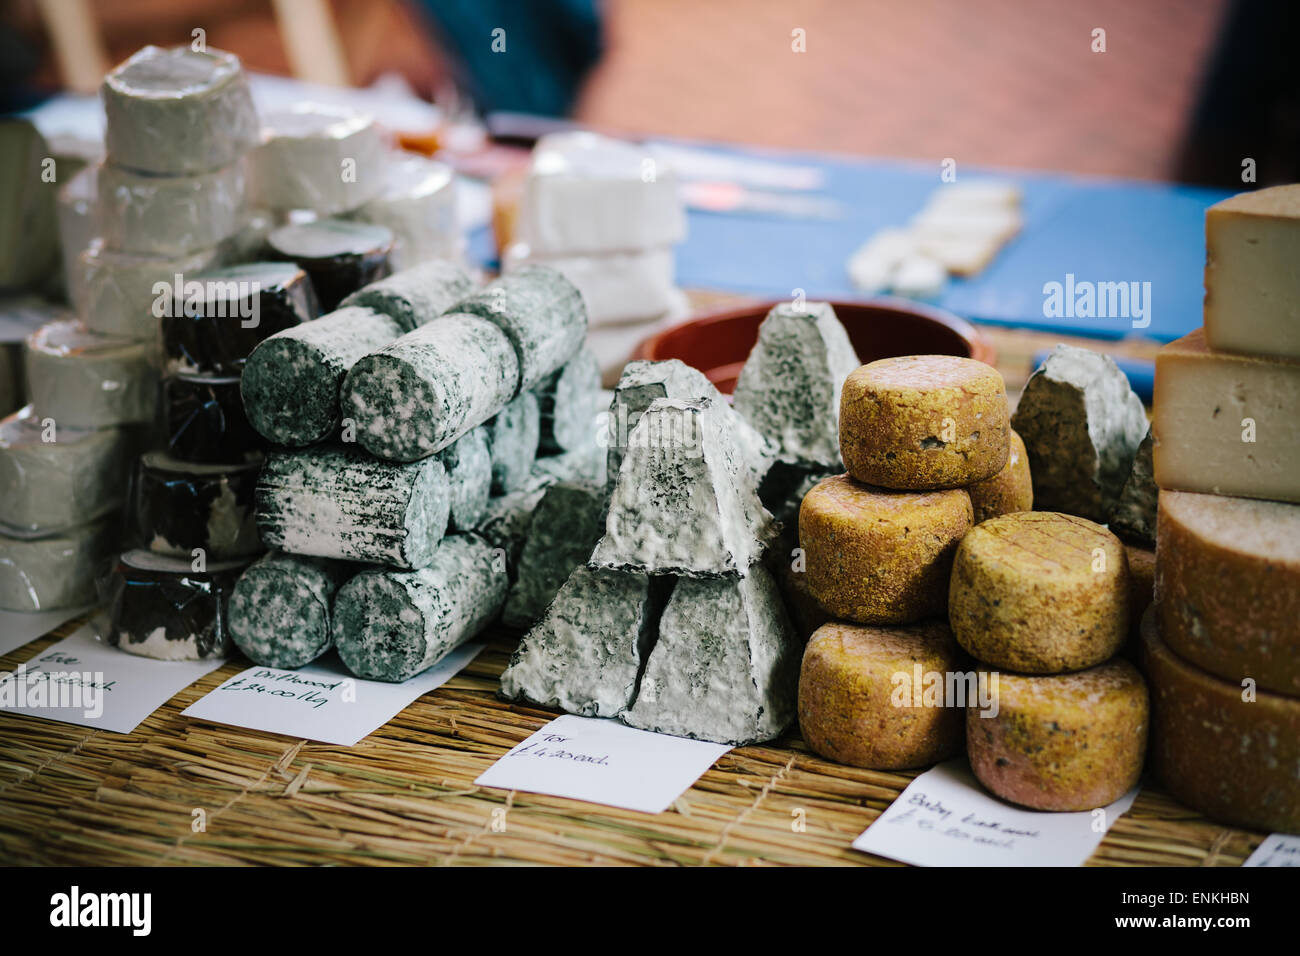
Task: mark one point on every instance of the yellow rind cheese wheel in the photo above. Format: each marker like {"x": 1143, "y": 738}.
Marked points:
{"x": 1010, "y": 490}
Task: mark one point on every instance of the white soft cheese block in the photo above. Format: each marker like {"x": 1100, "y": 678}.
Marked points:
{"x": 873, "y": 264}
{"x": 418, "y": 203}
{"x": 178, "y": 110}
{"x": 1226, "y": 424}
{"x": 587, "y": 193}
{"x": 979, "y": 194}
{"x": 169, "y": 215}
{"x": 919, "y": 277}
{"x": 40, "y": 574}
{"x": 52, "y": 478}
{"x": 82, "y": 379}
{"x": 119, "y": 293}
{"x": 323, "y": 158}
{"x": 618, "y": 287}
{"x": 1252, "y": 285}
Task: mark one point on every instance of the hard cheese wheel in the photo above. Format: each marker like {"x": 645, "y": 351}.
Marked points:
{"x": 1065, "y": 742}
{"x": 862, "y": 695}
{"x": 1234, "y": 759}
{"x": 181, "y": 507}
{"x": 280, "y": 608}
{"x": 42, "y": 574}
{"x": 924, "y": 421}
{"x": 340, "y": 256}
{"x": 1040, "y": 592}
{"x": 1228, "y": 586}
{"x": 1010, "y": 490}
{"x": 84, "y": 380}
{"x": 877, "y": 556}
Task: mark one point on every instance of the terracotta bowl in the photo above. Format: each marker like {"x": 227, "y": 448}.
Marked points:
{"x": 718, "y": 343}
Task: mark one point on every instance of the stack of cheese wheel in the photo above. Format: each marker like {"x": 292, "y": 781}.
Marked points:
{"x": 1223, "y": 642}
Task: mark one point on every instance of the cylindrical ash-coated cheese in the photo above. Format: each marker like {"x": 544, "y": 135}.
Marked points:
{"x": 880, "y": 557}
{"x": 84, "y": 380}
{"x": 1040, "y": 592}
{"x": 390, "y": 625}
{"x": 540, "y": 311}
{"x": 169, "y": 608}
{"x": 169, "y": 215}
{"x": 875, "y": 697}
{"x": 126, "y": 294}
{"x": 417, "y": 202}
{"x": 512, "y": 441}
{"x": 924, "y": 421}
{"x": 205, "y": 420}
{"x": 339, "y": 256}
{"x": 416, "y": 295}
{"x": 291, "y": 381}
{"x": 42, "y": 574}
{"x": 1228, "y": 586}
{"x": 280, "y": 608}
{"x": 324, "y": 158}
{"x": 1064, "y": 742}
{"x": 180, "y": 507}
{"x": 221, "y": 315}
{"x": 468, "y": 462}
{"x": 1228, "y": 751}
{"x": 54, "y": 478}
{"x": 568, "y": 400}
{"x": 178, "y": 110}
{"x": 338, "y": 502}
{"x": 423, "y": 391}
{"x": 1010, "y": 490}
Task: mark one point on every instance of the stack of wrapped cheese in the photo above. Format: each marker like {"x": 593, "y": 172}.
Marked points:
{"x": 1223, "y": 643}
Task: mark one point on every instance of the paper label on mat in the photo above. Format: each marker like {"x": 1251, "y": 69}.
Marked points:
{"x": 603, "y": 761}
{"x": 945, "y": 818}
{"x": 321, "y": 701}
{"x": 1278, "y": 849}
{"x": 22, "y": 627}
{"x": 82, "y": 680}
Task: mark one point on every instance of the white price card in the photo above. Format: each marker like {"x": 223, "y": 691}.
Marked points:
{"x": 82, "y": 680}
{"x": 321, "y": 701}
{"x": 22, "y": 627}
{"x": 945, "y": 818}
{"x": 1278, "y": 849}
{"x": 604, "y": 761}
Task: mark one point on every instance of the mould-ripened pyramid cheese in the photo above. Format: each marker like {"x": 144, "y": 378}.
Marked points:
{"x": 179, "y": 110}
{"x": 1040, "y": 592}
{"x": 1222, "y": 750}
{"x": 340, "y": 256}
{"x": 280, "y": 608}
{"x": 324, "y": 158}
{"x": 567, "y": 401}
{"x": 116, "y": 293}
{"x": 291, "y": 381}
{"x": 418, "y": 203}
{"x": 1228, "y": 586}
{"x": 725, "y": 667}
{"x": 789, "y": 388}
{"x": 181, "y": 507}
{"x": 568, "y": 522}
{"x": 468, "y": 463}
{"x": 1065, "y": 742}
{"x": 684, "y": 501}
{"x": 585, "y": 655}
{"x": 1226, "y": 424}
{"x": 390, "y": 625}
{"x": 862, "y": 695}
{"x": 1010, "y": 490}
{"x": 1251, "y": 286}
{"x": 1134, "y": 515}
{"x": 423, "y": 391}
{"x": 877, "y": 556}
{"x": 1082, "y": 425}
{"x": 204, "y": 419}
{"x": 337, "y": 502}
{"x": 84, "y": 380}
{"x": 169, "y": 215}
{"x": 513, "y": 434}
{"x": 923, "y": 422}
{"x": 40, "y": 574}
{"x": 416, "y": 295}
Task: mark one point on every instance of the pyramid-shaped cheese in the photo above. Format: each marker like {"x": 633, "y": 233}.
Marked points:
{"x": 684, "y": 501}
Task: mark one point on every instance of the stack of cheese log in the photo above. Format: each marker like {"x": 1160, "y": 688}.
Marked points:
{"x": 1223, "y": 643}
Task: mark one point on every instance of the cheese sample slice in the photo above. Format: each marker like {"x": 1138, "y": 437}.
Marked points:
{"x": 85, "y": 380}
{"x": 42, "y": 574}
{"x": 1252, "y": 289}
{"x": 418, "y": 203}
{"x": 169, "y": 215}
{"x": 177, "y": 111}
{"x": 125, "y": 294}
{"x": 1228, "y": 586}
{"x": 1226, "y": 424}
{"x": 326, "y": 159}
{"x": 53, "y": 478}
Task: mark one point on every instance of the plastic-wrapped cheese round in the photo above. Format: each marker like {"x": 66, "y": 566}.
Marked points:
{"x": 169, "y": 215}
{"x": 924, "y": 422}
{"x": 42, "y": 574}
{"x": 1010, "y": 490}
{"x": 126, "y": 294}
{"x": 84, "y": 380}
{"x": 1040, "y": 592}
{"x": 863, "y": 696}
{"x": 418, "y": 203}
{"x": 317, "y": 157}
{"x": 1062, "y": 742}
{"x": 880, "y": 557}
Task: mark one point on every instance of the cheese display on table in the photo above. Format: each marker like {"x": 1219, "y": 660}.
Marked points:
{"x": 416, "y": 295}
{"x": 180, "y": 507}
{"x": 1040, "y": 593}
{"x": 851, "y": 709}
{"x": 280, "y": 609}
{"x": 119, "y": 293}
{"x": 417, "y": 201}
{"x": 168, "y": 216}
{"x": 178, "y": 111}
{"x": 321, "y": 158}
{"x": 339, "y": 256}
{"x": 1010, "y": 490}
{"x": 1070, "y": 742}
{"x": 82, "y": 379}
{"x": 41, "y": 574}
{"x": 205, "y": 420}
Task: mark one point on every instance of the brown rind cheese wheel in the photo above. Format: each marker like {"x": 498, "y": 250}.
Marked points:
{"x": 1009, "y": 491}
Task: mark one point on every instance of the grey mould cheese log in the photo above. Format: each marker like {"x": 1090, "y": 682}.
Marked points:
{"x": 468, "y": 462}
{"x": 42, "y": 574}
{"x": 540, "y": 311}
{"x": 417, "y": 395}
{"x": 84, "y": 380}
{"x": 280, "y": 608}
{"x": 291, "y": 381}
{"x": 513, "y": 434}
{"x": 337, "y": 502}
{"x": 585, "y": 656}
{"x": 568, "y": 522}
{"x": 339, "y": 256}
{"x": 416, "y": 295}
{"x": 390, "y": 625}
{"x": 567, "y": 400}
{"x": 180, "y": 506}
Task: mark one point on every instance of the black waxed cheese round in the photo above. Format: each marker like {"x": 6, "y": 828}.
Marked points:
{"x": 179, "y": 508}
{"x": 205, "y": 420}
{"x": 340, "y": 256}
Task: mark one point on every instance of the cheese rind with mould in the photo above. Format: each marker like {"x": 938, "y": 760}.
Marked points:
{"x": 416, "y": 295}
{"x": 513, "y": 434}
{"x": 468, "y": 463}
{"x": 280, "y": 608}
{"x": 1010, "y": 490}
{"x": 567, "y": 402}
{"x": 1134, "y": 515}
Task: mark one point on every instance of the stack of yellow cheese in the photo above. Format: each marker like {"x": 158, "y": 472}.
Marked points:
{"x": 1222, "y": 645}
